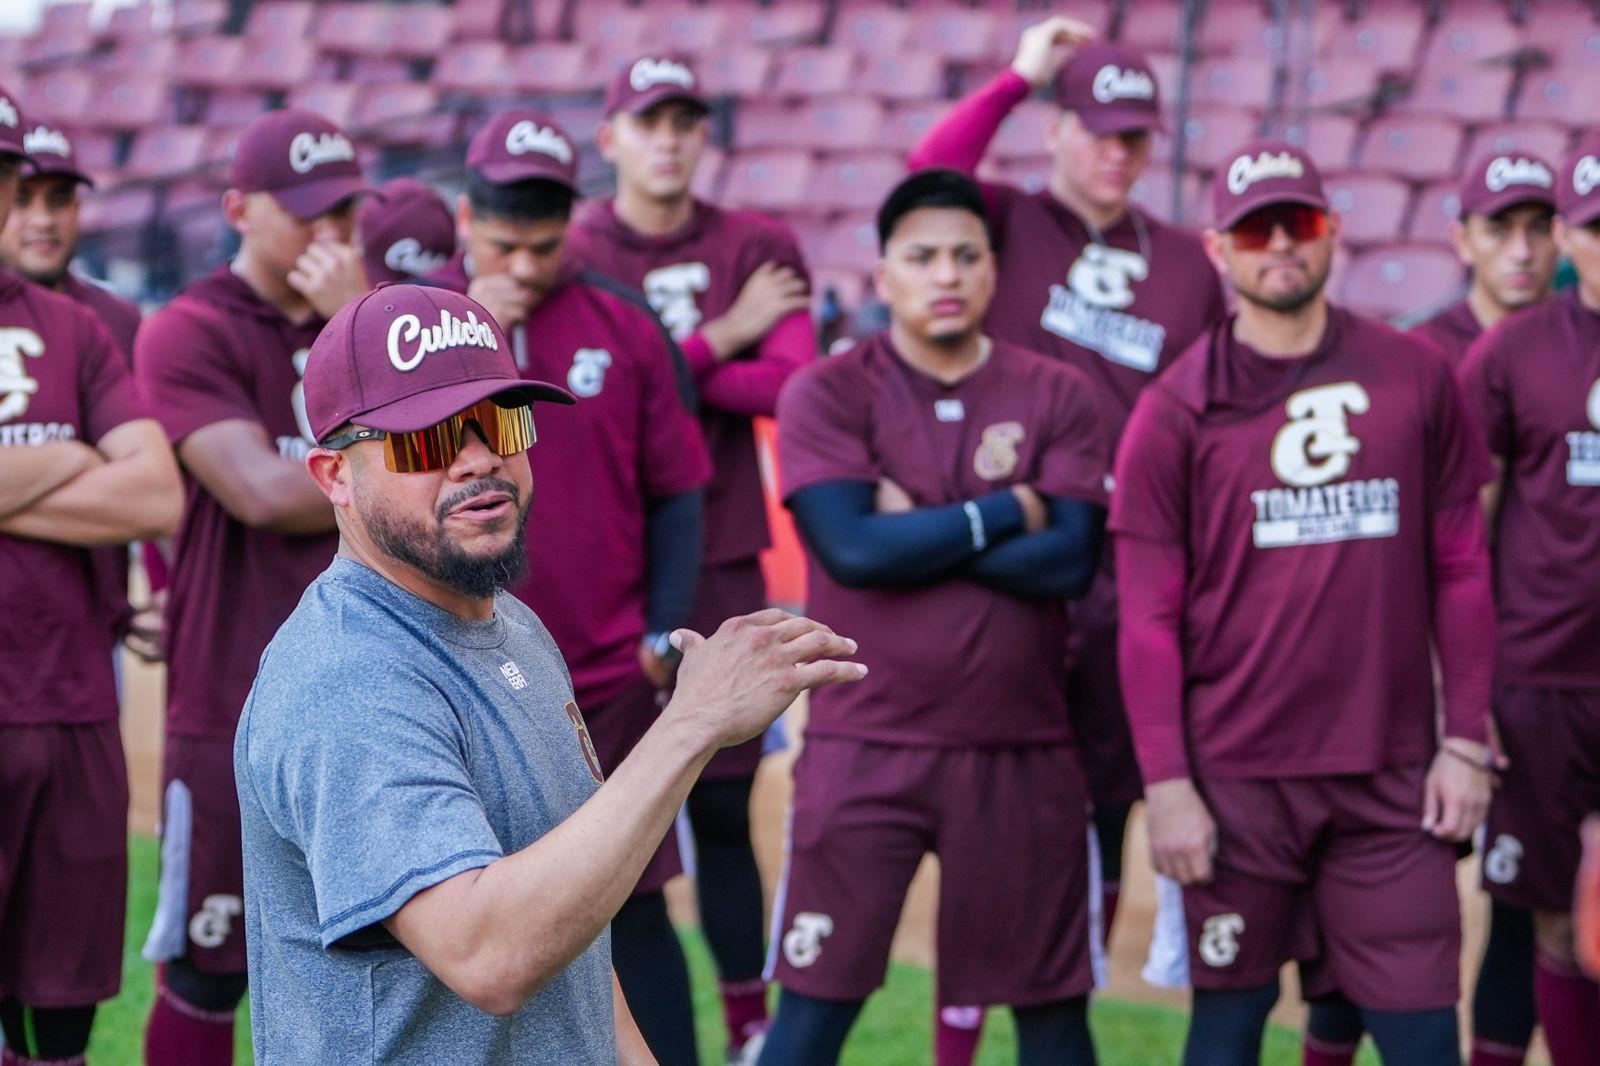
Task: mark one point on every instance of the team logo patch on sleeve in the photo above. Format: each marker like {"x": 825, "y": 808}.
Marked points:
{"x": 585, "y": 742}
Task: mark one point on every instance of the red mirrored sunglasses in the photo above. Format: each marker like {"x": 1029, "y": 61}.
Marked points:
{"x": 1301, "y": 222}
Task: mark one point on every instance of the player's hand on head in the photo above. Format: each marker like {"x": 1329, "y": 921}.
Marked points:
{"x": 1457, "y": 790}
{"x": 735, "y": 683}
{"x": 770, "y": 294}
{"x": 1183, "y": 837}
{"x": 329, "y": 275}
{"x": 1045, "y": 47}
{"x": 503, "y": 297}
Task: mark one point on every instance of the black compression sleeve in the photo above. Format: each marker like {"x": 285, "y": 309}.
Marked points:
{"x": 1055, "y": 563}
{"x": 672, "y": 553}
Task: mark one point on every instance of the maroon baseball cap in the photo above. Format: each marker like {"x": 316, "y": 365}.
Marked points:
{"x": 1111, "y": 88}
{"x": 50, "y": 148}
{"x": 651, "y": 80}
{"x": 408, "y": 233}
{"x": 521, "y": 145}
{"x": 1578, "y": 189}
{"x": 406, "y": 357}
{"x": 11, "y": 127}
{"x": 1265, "y": 172}
{"x": 1504, "y": 179}
{"x": 302, "y": 159}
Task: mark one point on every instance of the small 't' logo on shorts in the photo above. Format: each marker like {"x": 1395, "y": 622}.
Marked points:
{"x": 1219, "y": 939}
{"x": 1503, "y": 860}
{"x": 802, "y": 944}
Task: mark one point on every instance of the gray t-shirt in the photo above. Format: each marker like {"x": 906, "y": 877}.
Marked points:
{"x": 388, "y": 745}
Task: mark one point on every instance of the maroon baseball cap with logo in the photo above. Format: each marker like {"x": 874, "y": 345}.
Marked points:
{"x": 50, "y": 148}
{"x": 651, "y": 80}
{"x": 521, "y": 145}
{"x": 406, "y": 357}
{"x": 1265, "y": 172}
{"x": 408, "y": 233}
{"x": 1578, "y": 188}
{"x": 306, "y": 162}
{"x": 11, "y": 127}
{"x": 1111, "y": 88}
{"x": 1504, "y": 179}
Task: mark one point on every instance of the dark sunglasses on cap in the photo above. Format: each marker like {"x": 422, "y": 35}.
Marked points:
{"x": 1301, "y": 222}
{"x": 505, "y": 430}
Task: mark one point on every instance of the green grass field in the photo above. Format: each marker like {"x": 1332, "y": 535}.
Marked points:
{"x": 893, "y": 1030}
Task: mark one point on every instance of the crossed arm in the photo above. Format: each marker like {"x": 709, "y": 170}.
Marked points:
{"x": 124, "y": 489}
{"x": 237, "y": 464}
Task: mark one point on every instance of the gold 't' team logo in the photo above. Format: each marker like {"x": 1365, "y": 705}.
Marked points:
{"x": 996, "y": 457}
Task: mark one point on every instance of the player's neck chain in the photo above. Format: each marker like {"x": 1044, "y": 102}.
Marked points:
{"x": 1141, "y": 232}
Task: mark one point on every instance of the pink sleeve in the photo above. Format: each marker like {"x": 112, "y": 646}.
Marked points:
{"x": 1150, "y": 581}
{"x": 698, "y": 354}
{"x": 751, "y": 386}
{"x": 1463, "y": 617}
{"x": 960, "y": 138}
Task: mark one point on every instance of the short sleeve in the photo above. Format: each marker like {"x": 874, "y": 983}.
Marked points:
{"x": 1074, "y": 462}
{"x": 1488, "y": 392}
{"x": 822, "y": 428}
{"x": 673, "y": 458}
{"x": 375, "y": 795}
{"x": 1458, "y": 461}
{"x": 1150, "y": 490}
{"x": 778, "y": 245}
{"x": 107, "y": 391}
{"x": 186, "y": 376}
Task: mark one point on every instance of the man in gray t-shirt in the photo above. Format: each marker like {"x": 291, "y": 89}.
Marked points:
{"x": 431, "y": 853}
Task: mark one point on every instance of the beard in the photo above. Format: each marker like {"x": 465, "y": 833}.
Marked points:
{"x": 434, "y": 553}
{"x": 1287, "y": 303}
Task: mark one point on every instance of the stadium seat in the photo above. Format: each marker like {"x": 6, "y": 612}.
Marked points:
{"x": 473, "y": 67}
{"x": 707, "y": 184}
{"x": 1420, "y": 149}
{"x": 1211, "y": 135}
{"x": 131, "y": 101}
{"x": 1462, "y": 39}
{"x": 1335, "y": 84}
{"x": 1400, "y": 279}
{"x": 1568, "y": 37}
{"x": 780, "y": 25}
{"x": 1388, "y": 37}
{"x": 334, "y": 100}
{"x": 855, "y": 182}
{"x": 377, "y": 70}
{"x": 771, "y": 180}
{"x": 280, "y": 20}
{"x": 763, "y": 123}
{"x": 1241, "y": 27}
{"x": 1245, "y": 81}
{"x": 133, "y": 22}
{"x": 815, "y": 71}
{"x": 1153, "y": 193}
{"x": 414, "y": 31}
{"x": 1473, "y": 94}
{"x": 1009, "y": 23}
{"x": 873, "y": 28}
{"x": 611, "y": 27}
{"x": 64, "y": 94}
{"x": 554, "y": 67}
{"x": 905, "y": 124}
{"x": 166, "y": 151}
{"x": 959, "y": 35}
{"x": 850, "y": 243}
{"x": 404, "y": 115}
{"x": 237, "y": 107}
{"x": 350, "y": 28}
{"x": 692, "y": 31}
{"x": 1331, "y": 140}
{"x": 62, "y": 46}
{"x": 141, "y": 55}
{"x": 1372, "y": 206}
{"x": 197, "y": 16}
{"x": 479, "y": 20}
{"x": 96, "y": 151}
{"x": 739, "y": 70}
{"x": 839, "y": 125}
{"x": 1544, "y": 139}
{"x": 1031, "y": 174}
{"x": 1022, "y": 132}
{"x": 1437, "y": 209}
{"x": 1153, "y": 25}
{"x": 114, "y": 209}
{"x": 276, "y": 65}
{"x": 209, "y": 62}
{"x": 849, "y": 287}
{"x": 901, "y": 77}
{"x": 1563, "y": 94}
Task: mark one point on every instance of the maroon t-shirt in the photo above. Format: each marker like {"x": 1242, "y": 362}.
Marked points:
{"x": 1534, "y": 381}
{"x": 219, "y": 352}
{"x": 1120, "y": 311}
{"x": 1303, "y": 491}
{"x": 689, "y": 277}
{"x": 1453, "y": 330}
{"x": 60, "y": 379}
{"x": 631, "y": 438}
{"x": 952, "y": 662}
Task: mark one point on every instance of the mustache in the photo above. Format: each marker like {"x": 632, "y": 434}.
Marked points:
{"x": 477, "y": 488}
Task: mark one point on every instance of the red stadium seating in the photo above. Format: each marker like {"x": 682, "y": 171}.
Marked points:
{"x": 376, "y": 70}
{"x": 1331, "y": 140}
{"x": 1022, "y": 133}
{"x": 65, "y": 95}
{"x": 1153, "y": 25}
{"x": 901, "y": 77}
{"x": 66, "y": 18}
{"x": 739, "y": 70}
{"x": 1543, "y": 139}
{"x": 150, "y": 55}
{"x": 1394, "y": 281}
{"x": 815, "y": 71}
{"x": 335, "y": 100}
{"x": 96, "y": 152}
{"x": 479, "y": 19}
{"x": 773, "y": 180}
{"x": 1388, "y": 37}
{"x": 958, "y": 35}
{"x": 473, "y": 67}
{"x": 1438, "y": 206}
{"x": 131, "y": 101}
{"x": 403, "y": 115}
{"x": 415, "y": 31}
{"x": 1245, "y": 81}
{"x": 276, "y": 65}
{"x": 1336, "y": 84}
{"x": 905, "y": 124}
{"x": 133, "y": 22}
{"x": 1213, "y": 134}
{"x": 707, "y": 184}
{"x": 166, "y": 151}
{"x": 197, "y": 16}
{"x": 1474, "y": 94}
{"x": 693, "y": 31}
{"x": 856, "y": 182}
{"x": 1153, "y": 192}
{"x": 117, "y": 209}
{"x": 63, "y": 46}
{"x": 554, "y": 67}
{"x": 1372, "y": 206}
{"x": 1241, "y": 27}
{"x": 1420, "y": 149}
{"x": 873, "y": 28}
{"x": 1568, "y": 37}
{"x": 1464, "y": 39}
{"x": 763, "y": 124}
{"x": 209, "y": 62}
{"x": 837, "y": 125}
{"x": 1010, "y": 24}
{"x": 281, "y": 20}
{"x": 1563, "y": 94}
{"x": 228, "y": 110}
{"x": 350, "y": 27}
{"x": 611, "y": 27}
{"x": 848, "y": 244}
{"x": 778, "y": 25}
{"x": 1030, "y": 174}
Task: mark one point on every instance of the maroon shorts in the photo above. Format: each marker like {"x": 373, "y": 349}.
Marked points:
{"x": 200, "y": 905}
{"x": 63, "y": 863}
{"x": 1010, "y": 828}
{"x": 1094, "y": 696}
{"x": 1531, "y": 850}
{"x": 1335, "y": 872}
{"x": 615, "y": 726}
{"x": 728, "y": 591}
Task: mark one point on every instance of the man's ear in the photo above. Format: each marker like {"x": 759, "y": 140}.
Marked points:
{"x": 331, "y": 471}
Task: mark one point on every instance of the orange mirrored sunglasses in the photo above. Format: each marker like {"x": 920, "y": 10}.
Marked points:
{"x": 505, "y": 430}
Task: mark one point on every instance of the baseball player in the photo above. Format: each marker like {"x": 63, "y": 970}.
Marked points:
{"x": 732, "y": 288}
{"x": 1534, "y": 381}
{"x": 1505, "y": 237}
{"x": 39, "y": 241}
{"x": 221, "y": 366}
{"x": 1296, "y": 525}
{"x": 84, "y": 466}
{"x": 405, "y": 232}
{"x": 1092, "y": 280}
{"x": 949, "y": 488}
{"x": 623, "y": 472}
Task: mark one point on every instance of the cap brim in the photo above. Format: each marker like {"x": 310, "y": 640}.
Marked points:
{"x": 40, "y": 171}
{"x": 430, "y": 408}
{"x": 314, "y": 198}
{"x": 1501, "y": 201}
{"x": 1247, "y": 207}
{"x": 1110, "y": 121}
{"x": 506, "y": 172}
{"x": 661, "y": 94}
